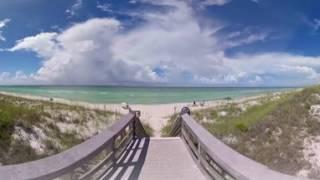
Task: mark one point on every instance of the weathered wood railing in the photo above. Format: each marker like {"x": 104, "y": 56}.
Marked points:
{"x": 83, "y": 161}
{"x": 217, "y": 160}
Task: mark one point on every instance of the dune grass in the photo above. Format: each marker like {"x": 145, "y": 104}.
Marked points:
{"x": 271, "y": 131}
{"x": 166, "y": 129}
{"x": 27, "y": 115}
{"x": 236, "y": 120}
{"x": 10, "y": 115}
{"x": 148, "y": 129}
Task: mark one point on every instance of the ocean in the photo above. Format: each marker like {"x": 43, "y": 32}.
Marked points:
{"x": 139, "y": 95}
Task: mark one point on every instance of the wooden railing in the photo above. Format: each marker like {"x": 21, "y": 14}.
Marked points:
{"x": 85, "y": 161}
{"x": 92, "y": 158}
{"x": 217, "y": 160}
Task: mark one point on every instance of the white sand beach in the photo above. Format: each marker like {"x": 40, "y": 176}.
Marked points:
{"x": 156, "y": 115}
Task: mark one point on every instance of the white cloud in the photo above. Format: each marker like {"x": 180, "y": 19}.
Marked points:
{"x": 256, "y": 80}
{"x": 133, "y": 1}
{"x": 314, "y": 24}
{"x": 4, "y": 75}
{"x": 3, "y": 24}
{"x": 278, "y": 68}
{"x": 74, "y": 8}
{"x": 204, "y": 3}
{"x": 99, "y": 51}
{"x": 19, "y": 77}
{"x": 104, "y": 7}
{"x": 82, "y": 55}
{"x": 42, "y": 43}
{"x": 234, "y": 40}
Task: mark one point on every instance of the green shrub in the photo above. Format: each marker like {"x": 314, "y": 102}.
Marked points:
{"x": 242, "y": 127}
{"x": 148, "y": 129}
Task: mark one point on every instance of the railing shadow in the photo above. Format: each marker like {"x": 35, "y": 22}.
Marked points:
{"x": 130, "y": 163}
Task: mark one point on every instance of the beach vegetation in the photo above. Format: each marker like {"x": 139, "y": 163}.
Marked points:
{"x": 166, "y": 129}
{"x": 148, "y": 129}
{"x": 53, "y": 127}
{"x": 235, "y": 119}
{"x": 270, "y": 129}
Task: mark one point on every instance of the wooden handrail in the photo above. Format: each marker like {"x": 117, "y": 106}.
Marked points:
{"x": 217, "y": 160}
{"x": 65, "y": 163}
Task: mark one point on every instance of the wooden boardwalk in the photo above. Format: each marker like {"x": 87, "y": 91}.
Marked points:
{"x": 124, "y": 151}
{"x": 155, "y": 158}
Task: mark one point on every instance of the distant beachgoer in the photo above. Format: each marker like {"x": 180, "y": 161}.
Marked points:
{"x": 194, "y": 103}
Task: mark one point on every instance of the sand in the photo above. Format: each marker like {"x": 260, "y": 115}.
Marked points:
{"x": 156, "y": 115}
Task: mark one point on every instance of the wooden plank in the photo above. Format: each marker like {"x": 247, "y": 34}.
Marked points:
{"x": 157, "y": 159}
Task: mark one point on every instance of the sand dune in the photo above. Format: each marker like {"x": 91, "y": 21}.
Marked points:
{"x": 156, "y": 115}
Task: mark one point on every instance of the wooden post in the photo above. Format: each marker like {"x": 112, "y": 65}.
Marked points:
{"x": 134, "y": 127}
{"x": 199, "y": 152}
{"x": 114, "y": 150}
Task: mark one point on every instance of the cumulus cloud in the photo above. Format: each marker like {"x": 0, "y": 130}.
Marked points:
{"x": 19, "y": 77}
{"x": 4, "y": 75}
{"x": 277, "y": 68}
{"x": 171, "y": 47}
{"x": 44, "y": 44}
{"x": 82, "y": 55}
{"x": 3, "y": 24}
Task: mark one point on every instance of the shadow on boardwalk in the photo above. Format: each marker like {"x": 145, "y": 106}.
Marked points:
{"x": 130, "y": 163}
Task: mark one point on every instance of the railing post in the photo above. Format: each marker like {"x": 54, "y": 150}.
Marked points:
{"x": 184, "y": 110}
{"x": 134, "y": 126}
{"x": 135, "y": 121}
{"x": 199, "y": 152}
{"x": 114, "y": 150}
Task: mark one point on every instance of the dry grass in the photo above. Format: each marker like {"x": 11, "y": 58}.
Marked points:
{"x": 165, "y": 131}
{"x": 148, "y": 129}
{"x": 271, "y": 132}
{"x": 29, "y": 114}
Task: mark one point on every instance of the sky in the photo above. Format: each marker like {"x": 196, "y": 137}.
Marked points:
{"x": 160, "y": 42}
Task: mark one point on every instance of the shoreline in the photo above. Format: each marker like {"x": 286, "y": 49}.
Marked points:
{"x": 156, "y": 115}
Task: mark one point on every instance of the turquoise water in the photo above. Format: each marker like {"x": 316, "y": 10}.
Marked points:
{"x": 137, "y": 95}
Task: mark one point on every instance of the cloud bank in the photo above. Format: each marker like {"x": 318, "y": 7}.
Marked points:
{"x": 171, "y": 48}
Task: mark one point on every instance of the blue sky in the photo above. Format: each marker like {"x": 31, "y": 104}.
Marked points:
{"x": 164, "y": 42}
